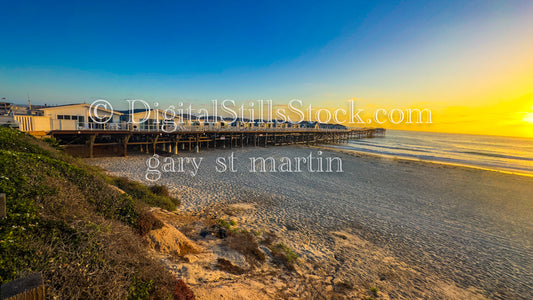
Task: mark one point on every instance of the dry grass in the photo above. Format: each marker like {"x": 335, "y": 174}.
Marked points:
{"x": 226, "y": 266}
{"x": 146, "y": 222}
{"x": 283, "y": 255}
{"x": 246, "y": 244}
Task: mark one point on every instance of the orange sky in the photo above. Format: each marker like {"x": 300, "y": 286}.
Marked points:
{"x": 505, "y": 118}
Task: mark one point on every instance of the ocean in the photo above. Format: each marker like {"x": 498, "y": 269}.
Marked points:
{"x": 506, "y": 154}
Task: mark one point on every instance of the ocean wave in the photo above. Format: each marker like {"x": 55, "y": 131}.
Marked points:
{"x": 494, "y": 153}
{"x": 497, "y": 155}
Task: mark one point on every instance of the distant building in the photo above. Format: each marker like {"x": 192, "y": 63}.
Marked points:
{"x": 213, "y": 122}
{"x": 280, "y": 124}
{"x": 154, "y": 119}
{"x": 309, "y": 124}
{"x": 5, "y": 108}
{"x": 78, "y": 116}
{"x": 6, "y": 115}
{"x": 331, "y": 126}
{"x": 240, "y": 122}
{"x": 66, "y": 117}
{"x": 43, "y": 119}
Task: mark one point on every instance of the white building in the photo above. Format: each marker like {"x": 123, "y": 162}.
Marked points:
{"x": 152, "y": 120}
{"x": 69, "y": 117}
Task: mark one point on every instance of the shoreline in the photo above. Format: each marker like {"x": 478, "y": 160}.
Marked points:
{"x": 410, "y": 159}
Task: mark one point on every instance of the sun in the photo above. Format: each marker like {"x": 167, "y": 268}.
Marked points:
{"x": 528, "y": 117}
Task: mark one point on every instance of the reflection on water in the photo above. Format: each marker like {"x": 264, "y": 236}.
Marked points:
{"x": 491, "y": 152}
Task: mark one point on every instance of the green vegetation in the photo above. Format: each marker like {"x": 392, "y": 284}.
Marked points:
{"x": 240, "y": 240}
{"x": 374, "y": 290}
{"x": 284, "y": 255}
{"x": 227, "y": 224}
{"x": 66, "y": 221}
{"x": 140, "y": 289}
{"x": 53, "y": 142}
{"x": 156, "y": 195}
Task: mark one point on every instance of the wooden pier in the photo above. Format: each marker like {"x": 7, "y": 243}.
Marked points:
{"x": 92, "y": 143}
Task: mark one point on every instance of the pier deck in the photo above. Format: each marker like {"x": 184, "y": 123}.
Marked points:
{"x": 91, "y": 143}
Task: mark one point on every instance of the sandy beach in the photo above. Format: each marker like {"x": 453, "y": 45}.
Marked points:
{"x": 411, "y": 229}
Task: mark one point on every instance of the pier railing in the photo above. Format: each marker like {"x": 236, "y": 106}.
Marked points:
{"x": 46, "y": 124}
{"x": 191, "y": 128}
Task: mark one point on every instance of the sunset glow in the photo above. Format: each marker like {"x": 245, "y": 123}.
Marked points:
{"x": 529, "y": 117}
{"x": 471, "y": 64}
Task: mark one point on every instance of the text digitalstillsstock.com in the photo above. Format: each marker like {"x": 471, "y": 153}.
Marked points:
{"x": 313, "y": 163}
{"x": 262, "y": 111}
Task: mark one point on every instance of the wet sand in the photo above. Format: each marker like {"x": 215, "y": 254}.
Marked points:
{"x": 454, "y": 228}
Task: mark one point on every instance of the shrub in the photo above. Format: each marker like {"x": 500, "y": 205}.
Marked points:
{"x": 146, "y": 222}
{"x": 140, "y": 289}
{"x": 182, "y": 291}
{"x": 144, "y": 194}
{"x": 160, "y": 190}
{"x": 53, "y": 142}
{"x": 284, "y": 255}
{"x": 227, "y": 224}
{"x": 245, "y": 243}
{"x": 226, "y": 266}
{"x": 374, "y": 290}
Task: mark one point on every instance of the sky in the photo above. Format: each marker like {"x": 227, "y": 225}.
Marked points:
{"x": 469, "y": 62}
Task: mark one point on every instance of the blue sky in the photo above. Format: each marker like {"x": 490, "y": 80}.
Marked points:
{"x": 64, "y": 52}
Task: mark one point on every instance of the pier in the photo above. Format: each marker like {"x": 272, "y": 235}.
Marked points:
{"x": 96, "y": 143}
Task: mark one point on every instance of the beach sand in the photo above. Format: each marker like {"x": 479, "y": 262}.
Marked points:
{"x": 407, "y": 229}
